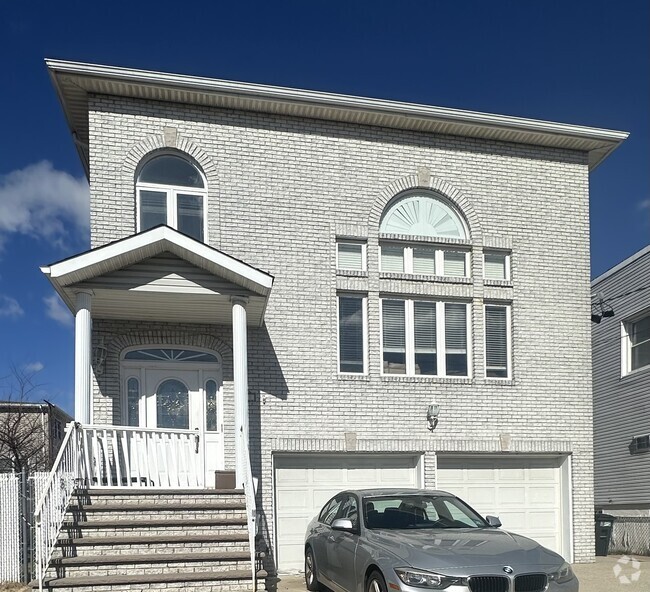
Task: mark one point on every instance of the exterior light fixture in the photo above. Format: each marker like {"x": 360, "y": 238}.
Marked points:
{"x": 432, "y": 416}
{"x": 99, "y": 357}
{"x": 596, "y": 318}
{"x": 600, "y": 309}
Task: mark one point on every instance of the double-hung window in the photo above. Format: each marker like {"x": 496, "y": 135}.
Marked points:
{"x": 497, "y": 341}
{"x": 636, "y": 344}
{"x": 424, "y": 260}
{"x": 352, "y": 333}
{"x": 422, "y": 337}
{"x": 171, "y": 190}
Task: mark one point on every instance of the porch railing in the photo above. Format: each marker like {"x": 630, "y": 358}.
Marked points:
{"x": 251, "y": 509}
{"x": 119, "y": 456}
{"x": 57, "y": 492}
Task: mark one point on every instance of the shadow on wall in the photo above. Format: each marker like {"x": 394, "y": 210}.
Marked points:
{"x": 265, "y": 380}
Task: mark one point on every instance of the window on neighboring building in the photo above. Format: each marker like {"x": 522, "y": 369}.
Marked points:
{"x": 497, "y": 341}
{"x": 636, "y": 343}
{"x": 171, "y": 190}
{"x": 352, "y": 333}
{"x": 496, "y": 265}
{"x": 57, "y": 429}
{"x": 422, "y": 337}
{"x": 351, "y": 256}
{"x": 424, "y": 260}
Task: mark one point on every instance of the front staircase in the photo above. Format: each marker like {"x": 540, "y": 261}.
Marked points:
{"x": 142, "y": 539}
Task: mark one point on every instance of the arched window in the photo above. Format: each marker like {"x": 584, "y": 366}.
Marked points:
{"x": 171, "y": 190}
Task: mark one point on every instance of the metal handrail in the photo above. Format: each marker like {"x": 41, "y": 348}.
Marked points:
{"x": 249, "y": 493}
{"x": 53, "y": 503}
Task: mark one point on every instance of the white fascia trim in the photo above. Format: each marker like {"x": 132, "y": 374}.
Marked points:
{"x": 333, "y": 100}
{"x": 146, "y": 239}
{"x": 621, "y": 265}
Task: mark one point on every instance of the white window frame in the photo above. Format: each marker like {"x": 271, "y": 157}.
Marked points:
{"x": 626, "y": 345}
{"x": 364, "y": 259}
{"x": 364, "y": 328}
{"x": 506, "y": 263}
{"x": 508, "y": 308}
{"x": 441, "y": 352}
{"x": 439, "y": 258}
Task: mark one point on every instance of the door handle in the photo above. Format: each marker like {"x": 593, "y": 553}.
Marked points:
{"x": 197, "y": 439}
{"x": 330, "y": 538}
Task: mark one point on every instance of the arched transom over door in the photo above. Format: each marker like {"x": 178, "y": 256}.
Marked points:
{"x": 176, "y": 389}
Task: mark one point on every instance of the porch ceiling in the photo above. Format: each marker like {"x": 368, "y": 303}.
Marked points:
{"x": 161, "y": 275}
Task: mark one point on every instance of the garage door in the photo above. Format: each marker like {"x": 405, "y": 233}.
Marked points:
{"x": 303, "y": 483}
{"x": 527, "y": 494}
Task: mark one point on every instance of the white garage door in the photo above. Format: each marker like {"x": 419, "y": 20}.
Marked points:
{"x": 303, "y": 483}
{"x": 527, "y": 494}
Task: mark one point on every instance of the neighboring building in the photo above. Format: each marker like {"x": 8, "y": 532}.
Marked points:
{"x": 621, "y": 375}
{"x": 30, "y": 435}
{"x": 376, "y": 257}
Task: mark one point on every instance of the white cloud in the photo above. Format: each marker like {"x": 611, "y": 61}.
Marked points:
{"x": 55, "y": 309}
{"x": 9, "y": 307}
{"x": 33, "y": 367}
{"x": 41, "y": 201}
{"x": 645, "y": 204}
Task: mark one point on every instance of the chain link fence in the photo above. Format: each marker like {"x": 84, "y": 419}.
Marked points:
{"x": 631, "y": 536}
{"x": 19, "y": 494}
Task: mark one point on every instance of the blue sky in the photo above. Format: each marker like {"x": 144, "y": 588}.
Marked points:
{"x": 576, "y": 61}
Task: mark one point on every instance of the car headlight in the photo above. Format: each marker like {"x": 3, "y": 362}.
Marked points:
{"x": 564, "y": 574}
{"x": 424, "y": 579}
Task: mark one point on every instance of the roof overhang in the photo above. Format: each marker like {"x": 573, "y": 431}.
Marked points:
{"x": 155, "y": 300}
{"x": 74, "y": 81}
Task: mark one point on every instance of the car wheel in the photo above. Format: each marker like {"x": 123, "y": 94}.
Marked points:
{"x": 311, "y": 580}
{"x": 375, "y": 582}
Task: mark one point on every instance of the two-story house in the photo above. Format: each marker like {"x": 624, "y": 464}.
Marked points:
{"x": 621, "y": 375}
{"x": 303, "y": 280}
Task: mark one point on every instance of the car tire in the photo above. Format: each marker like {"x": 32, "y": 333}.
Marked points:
{"x": 375, "y": 582}
{"x": 311, "y": 579}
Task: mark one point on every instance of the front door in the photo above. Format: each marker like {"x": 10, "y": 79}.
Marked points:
{"x": 188, "y": 399}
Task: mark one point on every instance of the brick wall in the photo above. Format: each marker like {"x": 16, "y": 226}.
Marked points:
{"x": 281, "y": 189}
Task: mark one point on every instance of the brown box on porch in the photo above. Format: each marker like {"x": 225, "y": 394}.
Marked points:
{"x": 224, "y": 479}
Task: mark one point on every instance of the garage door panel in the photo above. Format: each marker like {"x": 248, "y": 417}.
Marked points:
{"x": 299, "y": 499}
{"x": 525, "y": 492}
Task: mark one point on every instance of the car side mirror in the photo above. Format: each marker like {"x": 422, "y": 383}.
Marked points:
{"x": 493, "y": 521}
{"x": 344, "y": 524}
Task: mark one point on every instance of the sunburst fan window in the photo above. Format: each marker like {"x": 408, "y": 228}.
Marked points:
{"x": 423, "y": 215}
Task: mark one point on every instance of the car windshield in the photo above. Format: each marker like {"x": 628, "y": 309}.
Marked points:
{"x": 397, "y": 512}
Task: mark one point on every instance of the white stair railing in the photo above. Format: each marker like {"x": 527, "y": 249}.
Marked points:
{"x": 53, "y": 503}
{"x": 251, "y": 509}
{"x": 120, "y": 456}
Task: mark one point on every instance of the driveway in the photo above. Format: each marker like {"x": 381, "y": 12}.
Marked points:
{"x": 609, "y": 574}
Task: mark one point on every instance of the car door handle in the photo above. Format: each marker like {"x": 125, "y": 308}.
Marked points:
{"x": 330, "y": 538}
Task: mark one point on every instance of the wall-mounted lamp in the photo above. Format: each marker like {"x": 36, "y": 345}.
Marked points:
{"x": 432, "y": 416}
{"x": 99, "y": 357}
{"x": 600, "y": 309}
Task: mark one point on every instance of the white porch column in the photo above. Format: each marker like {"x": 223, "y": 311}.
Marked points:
{"x": 82, "y": 356}
{"x": 240, "y": 376}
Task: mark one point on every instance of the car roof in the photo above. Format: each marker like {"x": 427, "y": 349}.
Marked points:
{"x": 389, "y": 491}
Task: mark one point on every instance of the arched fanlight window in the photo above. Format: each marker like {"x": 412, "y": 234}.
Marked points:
{"x": 423, "y": 215}
{"x": 171, "y": 190}
{"x": 170, "y": 355}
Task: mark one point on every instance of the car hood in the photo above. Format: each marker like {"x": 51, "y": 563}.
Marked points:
{"x": 458, "y": 548}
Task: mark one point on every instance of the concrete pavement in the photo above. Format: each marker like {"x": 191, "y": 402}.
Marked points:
{"x": 608, "y": 574}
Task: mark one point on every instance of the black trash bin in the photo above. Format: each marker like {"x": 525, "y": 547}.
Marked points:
{"x": 604, "y": 527}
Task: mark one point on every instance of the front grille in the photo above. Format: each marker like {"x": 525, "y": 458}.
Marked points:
{"x": 530, "y": 583}
{"x": 488, "y": 584}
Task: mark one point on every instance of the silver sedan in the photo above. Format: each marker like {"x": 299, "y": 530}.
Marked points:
{"x": 410, "y": 540}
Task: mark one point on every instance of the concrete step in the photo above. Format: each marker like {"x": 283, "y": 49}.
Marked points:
{"x": 148, "y": 564}
{"x": 162, "y": 543}
{"x": 231, "y": 581}
{"x": 133, "y": 495}
{"x": 151, "y": 527}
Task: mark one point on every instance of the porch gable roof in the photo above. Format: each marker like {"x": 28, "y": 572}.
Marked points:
{"x": 88, "y": 269}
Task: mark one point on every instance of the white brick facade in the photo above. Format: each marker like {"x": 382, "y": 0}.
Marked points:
{"x": 280, "y": 190}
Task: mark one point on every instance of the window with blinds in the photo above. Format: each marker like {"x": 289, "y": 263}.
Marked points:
{"x": 351, "y": 256}
{"x": 352, "y": 341}
{"x": 424, "y": 260}
{"x": 415, "y": 332}
{"x": 497, "y": 358}
{"x": 639, "y": 343}
{"x": 496, "y": 265}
